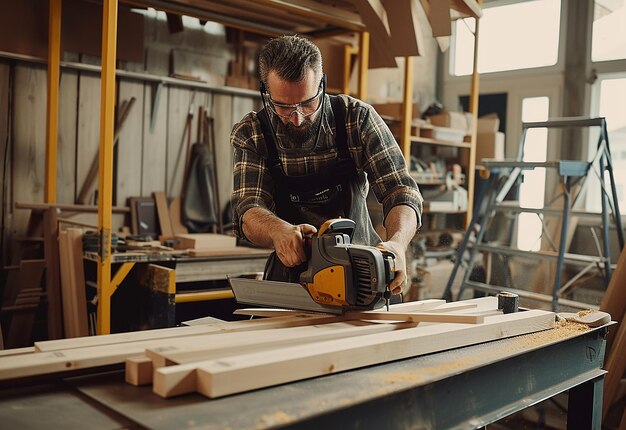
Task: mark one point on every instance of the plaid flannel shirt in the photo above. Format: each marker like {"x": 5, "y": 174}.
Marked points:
{"x": 370, "y": 142}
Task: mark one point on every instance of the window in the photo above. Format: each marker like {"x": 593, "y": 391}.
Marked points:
{"x": 610, "y": 104}
{"x": 513, "y": 36}
{"x": 608, "y": 41}
{"x": 531, "y": 193}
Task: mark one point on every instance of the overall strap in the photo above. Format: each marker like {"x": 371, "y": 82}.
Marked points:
{"x": 273, "y": 161}
{"x": 340, "y": 127}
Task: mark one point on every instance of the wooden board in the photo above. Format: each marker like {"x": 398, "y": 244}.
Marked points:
{"x": 241, "y": 373}
{"x": 205, "y": 241}
{"x": 235, "y": 250}
{"x": 73, "y": 283}
{"x": 614, "y": 299}
{"x": 165, "y": 225}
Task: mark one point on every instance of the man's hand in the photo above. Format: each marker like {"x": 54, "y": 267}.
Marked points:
{"x": 398, "y": 285}
{"x": 288, "y": 243}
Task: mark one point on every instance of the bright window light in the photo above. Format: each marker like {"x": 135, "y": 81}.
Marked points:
{"x": 609, "y": 30}
{"x": 514, "y": 36}
{"x": 532, "y": 190}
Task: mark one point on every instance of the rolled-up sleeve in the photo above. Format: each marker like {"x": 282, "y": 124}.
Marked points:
{"x": 385, "y": 165}
{"x": 252, "y": 183}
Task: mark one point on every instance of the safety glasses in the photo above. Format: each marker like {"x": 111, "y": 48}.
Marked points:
{"x": 305, "y": 108}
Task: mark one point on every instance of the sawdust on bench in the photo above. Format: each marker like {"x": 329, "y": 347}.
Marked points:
{"x": 562, "y": 330}
{"x": 274, "y": 419}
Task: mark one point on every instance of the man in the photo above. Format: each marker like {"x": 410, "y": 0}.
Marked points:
{"x": 306, "y": 157}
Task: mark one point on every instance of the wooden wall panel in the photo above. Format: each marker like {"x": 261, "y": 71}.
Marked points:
{"x": 154, "y": 140}
{"x": 223, "y": 122}
{"x": 129, "y": 144}
{"x": 28, "y": 159}
{"x": 179, "y": 104}
{"x": 88, "y": 133}
{"x": 66, "y": 159}
{"x": 4, "y": 112}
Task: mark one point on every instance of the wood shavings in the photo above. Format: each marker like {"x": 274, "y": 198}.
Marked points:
{"x": 274, "y": 419}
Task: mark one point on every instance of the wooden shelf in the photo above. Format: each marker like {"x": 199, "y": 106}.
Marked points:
{"x": 418, "y": 139}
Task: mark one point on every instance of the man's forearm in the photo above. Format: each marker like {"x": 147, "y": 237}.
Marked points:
{"x": 257, "y": 224}
{"x": 401, "y": 225}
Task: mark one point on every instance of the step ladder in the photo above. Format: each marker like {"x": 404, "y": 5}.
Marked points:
{"x": 500, "y": 178}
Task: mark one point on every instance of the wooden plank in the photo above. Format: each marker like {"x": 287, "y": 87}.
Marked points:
{"x": 173, "y": 380}
{"x": 614, "y": 299}
{"x": 138, "y": 370}
{"x": 17, "y": 351}
{"x": 165, "y": 225}
{"x": 104, "y": 352}
{"x": 53, "y": 279}
{"x": 615, "y": 366}
{"x": 297, "y": 320}
{"x": 73, "y": 283}
{"x": 68, "y": 116}
{"x": 415, "y": 317}
{"x": 129, "y": 144}
{"x": 88, "y": 135}
{"x": 241, "y": 373}
{"x": 222, "y": 252}
{"x": 154, "y": 140}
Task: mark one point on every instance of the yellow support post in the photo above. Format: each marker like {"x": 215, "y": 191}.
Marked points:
{"x": 119, "y": 277}
{"x": 364, "y": 59}
{"x": 407, "y": 109}
{"x": 52, "y": 104}
{"x": 105, "y": 172}
{"x": 471, "y": 173}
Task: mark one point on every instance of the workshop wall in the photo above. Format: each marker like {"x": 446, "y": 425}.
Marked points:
{"x": 150, "y": 152}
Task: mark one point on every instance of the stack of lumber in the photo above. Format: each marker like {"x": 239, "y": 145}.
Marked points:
{"x": 222, "y": 358}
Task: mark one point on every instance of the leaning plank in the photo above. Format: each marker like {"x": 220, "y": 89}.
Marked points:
{"x": 231, "y": 375}
{"x": 173, "y": 380}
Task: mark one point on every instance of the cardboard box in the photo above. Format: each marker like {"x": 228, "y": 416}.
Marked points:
{"x": 456, "y": 120}
{"x": 489, "y": 123}
{"x": 489, "y": 145}
{"x": 394, "y": 110}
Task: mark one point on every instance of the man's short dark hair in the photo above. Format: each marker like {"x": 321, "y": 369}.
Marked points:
{"x": 290, "y": 57}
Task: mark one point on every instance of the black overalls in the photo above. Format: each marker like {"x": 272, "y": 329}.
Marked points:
{"x": 333, "y": 192}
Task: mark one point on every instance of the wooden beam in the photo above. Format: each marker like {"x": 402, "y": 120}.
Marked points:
{"x": 52, "y": 101}
{"x": 232, "y": 375}
{"x": 138, "y": 370}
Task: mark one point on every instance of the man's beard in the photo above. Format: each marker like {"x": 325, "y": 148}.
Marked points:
{"x": 304, "y": 132}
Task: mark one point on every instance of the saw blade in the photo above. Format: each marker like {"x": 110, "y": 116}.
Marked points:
{"x": 276, "y": 294}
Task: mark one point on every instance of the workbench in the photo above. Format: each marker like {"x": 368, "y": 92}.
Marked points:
{"x": 461, "y": 388}
{"x": 133, "y": 292}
